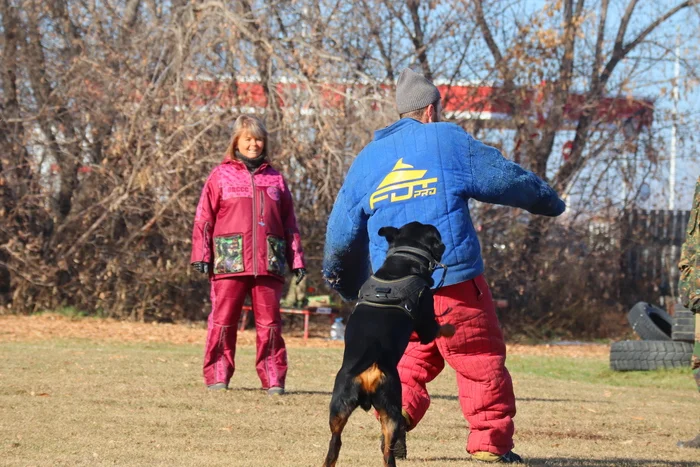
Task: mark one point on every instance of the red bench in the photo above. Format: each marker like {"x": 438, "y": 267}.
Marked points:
{"x": 332, "y": 313}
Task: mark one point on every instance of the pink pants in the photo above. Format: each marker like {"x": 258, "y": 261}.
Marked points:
{"x": 477, "y": 352}
{"x": 227, "y": 296}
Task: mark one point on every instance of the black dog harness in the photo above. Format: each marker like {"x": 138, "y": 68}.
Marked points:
{"x": 403, "y": 294}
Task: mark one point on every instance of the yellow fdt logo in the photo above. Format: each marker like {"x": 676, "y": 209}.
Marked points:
{"x": 402, "y": 183}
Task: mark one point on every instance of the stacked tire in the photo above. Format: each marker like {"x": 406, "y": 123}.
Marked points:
{"x": 683, "y": 328}
{"x": 666, "y": 341}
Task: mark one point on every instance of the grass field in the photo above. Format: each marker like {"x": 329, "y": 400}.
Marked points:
{"x": 94, "y": 392}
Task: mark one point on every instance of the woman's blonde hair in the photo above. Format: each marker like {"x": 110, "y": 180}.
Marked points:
{"x": 246, "y": 123}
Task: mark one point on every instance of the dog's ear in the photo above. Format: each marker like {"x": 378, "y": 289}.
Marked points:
{"x": 389, "y": 233}
{"x": 437, "y": 248}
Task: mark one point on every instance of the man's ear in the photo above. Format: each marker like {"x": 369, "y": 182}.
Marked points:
{"x": 427, "y": 115}
{"x": 389, "y": 233}
{"x": 430, "y": 115}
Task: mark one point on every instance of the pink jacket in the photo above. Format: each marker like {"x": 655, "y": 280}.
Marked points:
{"x": 245, "y": 223}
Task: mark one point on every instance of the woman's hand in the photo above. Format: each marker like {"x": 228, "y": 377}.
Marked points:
{"x": 300, "y": 273}
{"x": 201, "y": 266}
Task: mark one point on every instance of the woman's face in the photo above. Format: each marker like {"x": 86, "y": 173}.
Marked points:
{"x": 249, "y": 146}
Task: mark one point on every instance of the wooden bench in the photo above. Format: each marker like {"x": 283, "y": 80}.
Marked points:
{"x": 307, "y": 312}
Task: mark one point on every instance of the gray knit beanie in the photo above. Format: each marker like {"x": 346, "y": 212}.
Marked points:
{"x": 414, "y": 92}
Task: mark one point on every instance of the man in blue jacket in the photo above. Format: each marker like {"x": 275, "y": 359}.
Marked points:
{"x": 419, "y": 169}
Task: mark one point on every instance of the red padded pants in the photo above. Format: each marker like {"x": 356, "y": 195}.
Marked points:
{"x": 227, "y": 296}
{"x": 477, "y": 352}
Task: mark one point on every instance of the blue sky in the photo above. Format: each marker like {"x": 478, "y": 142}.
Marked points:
{"x": 658, "y": 86}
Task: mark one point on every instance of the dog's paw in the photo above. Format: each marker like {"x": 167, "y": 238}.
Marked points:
{"x": 446, "y": 330}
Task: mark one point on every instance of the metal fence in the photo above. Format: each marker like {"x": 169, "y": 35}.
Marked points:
{"x": 650, "y": 243}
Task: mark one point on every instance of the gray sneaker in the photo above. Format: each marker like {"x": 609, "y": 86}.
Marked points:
{"x": 217, "y": 387}
{"x": 275, "y": 391}
{"x": 508, "y": 458}
{"x": 691, "y": 443}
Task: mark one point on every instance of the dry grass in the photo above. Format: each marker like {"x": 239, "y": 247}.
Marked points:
{"x": 93, "y": 392}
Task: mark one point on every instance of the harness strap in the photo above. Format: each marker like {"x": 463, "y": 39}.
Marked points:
{"x": 432, "y": 263}
{"x": 403, "y": 294}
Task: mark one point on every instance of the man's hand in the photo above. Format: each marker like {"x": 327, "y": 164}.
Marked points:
{"x": 446, "y": 330}
{"x": 201, "y": 266}
{"x": 300, "y": 273}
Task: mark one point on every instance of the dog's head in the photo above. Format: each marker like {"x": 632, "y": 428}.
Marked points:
{"x": 414, "y": 235}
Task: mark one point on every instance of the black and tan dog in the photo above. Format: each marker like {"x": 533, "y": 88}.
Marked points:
{"x": 393, "y": 303}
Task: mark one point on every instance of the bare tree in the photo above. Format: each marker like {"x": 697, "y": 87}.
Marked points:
{"x": 113, "y": 113}
{"x": 572, "y": 46}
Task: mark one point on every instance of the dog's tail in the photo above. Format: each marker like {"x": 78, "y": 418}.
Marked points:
{"x": 369, "y": 380}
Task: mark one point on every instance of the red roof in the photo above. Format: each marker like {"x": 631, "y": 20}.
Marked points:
{"x": 462, "y": 100}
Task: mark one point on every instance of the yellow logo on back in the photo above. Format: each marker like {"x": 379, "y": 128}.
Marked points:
{"x": 402, "y": 183}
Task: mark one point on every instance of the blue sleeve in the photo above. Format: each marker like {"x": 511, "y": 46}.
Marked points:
{"x": 346, "y": 263}
{"x": 496, "y": 180}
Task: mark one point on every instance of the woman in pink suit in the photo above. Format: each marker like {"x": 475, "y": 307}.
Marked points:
{"x": 245, "y": 235}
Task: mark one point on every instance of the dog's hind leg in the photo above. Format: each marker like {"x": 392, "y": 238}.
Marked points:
{"x": 342, "y": 405}
{"x": 337, "y": 424}
{"x": 390, "y": 431}
{"x": 387, "y": 401}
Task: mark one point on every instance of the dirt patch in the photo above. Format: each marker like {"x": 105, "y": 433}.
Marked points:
{"x": 553, "y": 350}
{"x": 46, "y": 326}
{"x": 568, "y": 435}
{"x": 54, "y": 326}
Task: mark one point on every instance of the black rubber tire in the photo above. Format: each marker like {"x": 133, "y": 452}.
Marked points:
{"x": 649, "y": 355}
{"x": 651, "y": 323}
{"x": 683, "y": 328}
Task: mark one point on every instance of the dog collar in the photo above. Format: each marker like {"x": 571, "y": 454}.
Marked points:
{"x": 432, "y": 263}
